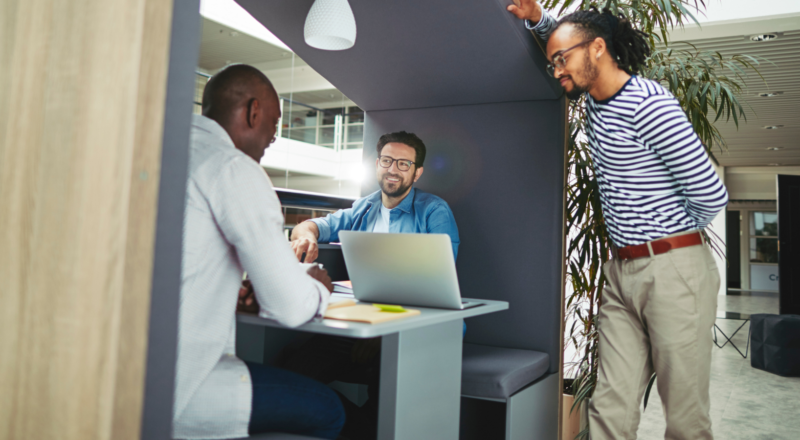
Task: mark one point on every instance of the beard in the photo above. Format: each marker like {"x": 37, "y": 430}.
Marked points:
{"x": 399, "y": 191}
{"x": 589, "y": 73}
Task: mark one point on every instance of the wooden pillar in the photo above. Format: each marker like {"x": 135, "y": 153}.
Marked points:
{"x": 81, "y": 122}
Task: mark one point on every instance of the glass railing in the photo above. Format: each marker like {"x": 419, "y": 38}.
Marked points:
{"x": 339, "y": 128}
{"x": 336, "y": 128}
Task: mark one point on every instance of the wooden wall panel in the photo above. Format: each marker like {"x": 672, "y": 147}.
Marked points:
{"x": 80, "y": 141}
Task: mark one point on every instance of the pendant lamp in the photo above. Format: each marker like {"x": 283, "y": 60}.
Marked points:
{"x": 330, "y": 25}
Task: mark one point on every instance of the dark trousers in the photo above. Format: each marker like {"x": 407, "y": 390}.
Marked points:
{"x": 330, "y": 358}
{"x": 288, "y": 402}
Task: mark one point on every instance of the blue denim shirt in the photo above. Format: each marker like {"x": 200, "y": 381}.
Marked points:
{"x": 419, "y": 212}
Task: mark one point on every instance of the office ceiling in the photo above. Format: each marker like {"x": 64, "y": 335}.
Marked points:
{"x": 221, "y": 45}
{"x": 748, "y": 145}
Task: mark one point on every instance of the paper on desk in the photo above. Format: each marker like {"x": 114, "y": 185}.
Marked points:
{"x": 366, "y": 313}
{"x": 335, "y": 303}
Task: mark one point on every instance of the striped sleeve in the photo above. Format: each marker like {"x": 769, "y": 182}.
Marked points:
{"x": 544, "y": 27}
{"x": 664, "y": 128}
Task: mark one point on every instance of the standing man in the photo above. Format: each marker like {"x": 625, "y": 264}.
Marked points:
{"x": 396, "y": 207}
{"x": 658, "y": 191}
{"x": 233, "y": 223}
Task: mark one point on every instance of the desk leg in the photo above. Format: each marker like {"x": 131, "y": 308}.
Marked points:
{"x": 421, "y": 383}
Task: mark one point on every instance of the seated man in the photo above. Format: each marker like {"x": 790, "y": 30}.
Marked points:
{"x": 233, "y": 223}
{"x": 396, "y": 207}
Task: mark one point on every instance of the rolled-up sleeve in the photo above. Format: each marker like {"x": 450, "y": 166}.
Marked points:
{"x": 330, "y": 225}
{"x": 249, "y": 215}
{"x": 544, "y": 27}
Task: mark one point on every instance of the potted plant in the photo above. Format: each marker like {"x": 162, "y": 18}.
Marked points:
{"x": 701, "y": 81}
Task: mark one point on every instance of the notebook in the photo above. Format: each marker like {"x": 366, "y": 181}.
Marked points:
{"x": 349, "y": 310}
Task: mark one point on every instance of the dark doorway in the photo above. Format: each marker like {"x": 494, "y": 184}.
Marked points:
{"x": 789, "y": 244}
{"x": 733, "y": 253}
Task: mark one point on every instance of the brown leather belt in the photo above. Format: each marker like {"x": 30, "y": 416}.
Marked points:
{"x": 659, "y": 246}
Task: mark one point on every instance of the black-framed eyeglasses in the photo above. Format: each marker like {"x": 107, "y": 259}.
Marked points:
{"x": 559, "y": 61}
{"x": 402, "y": 164}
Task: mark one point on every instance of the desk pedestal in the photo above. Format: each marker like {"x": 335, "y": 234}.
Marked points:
{"x": 421, "y": 383}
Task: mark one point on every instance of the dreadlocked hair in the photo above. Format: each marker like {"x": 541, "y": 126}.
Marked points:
{"x": 626, "y": 45}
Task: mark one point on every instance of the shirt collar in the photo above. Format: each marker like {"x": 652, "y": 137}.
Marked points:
{"x": 404, "y": 206}
{"x": 212, "y": 127}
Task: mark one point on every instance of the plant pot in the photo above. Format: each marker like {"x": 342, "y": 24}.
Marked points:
{"x": 573, "y": 423}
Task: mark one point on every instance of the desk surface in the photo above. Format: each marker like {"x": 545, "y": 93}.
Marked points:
{"x": 351, "y": 329}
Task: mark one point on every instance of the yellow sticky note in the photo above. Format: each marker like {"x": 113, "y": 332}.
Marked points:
{"x": 390, "y": 308}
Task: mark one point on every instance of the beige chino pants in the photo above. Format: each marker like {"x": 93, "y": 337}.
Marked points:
{"x": 656, "y": 315}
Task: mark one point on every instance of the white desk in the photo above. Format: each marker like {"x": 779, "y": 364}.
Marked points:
{"x": 420, "y": 367}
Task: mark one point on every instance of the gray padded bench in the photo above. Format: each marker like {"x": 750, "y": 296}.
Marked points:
{"x": 498, "y": 373}
{"x": 517, "y": 378}
{"x": 277, "y": 436}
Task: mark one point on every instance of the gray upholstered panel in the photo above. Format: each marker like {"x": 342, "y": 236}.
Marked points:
{"x": 421, "y": 53}
{"x": 499, "y": 372}
{"x": 163, "y": 331}
{"x": 500, "y": 167}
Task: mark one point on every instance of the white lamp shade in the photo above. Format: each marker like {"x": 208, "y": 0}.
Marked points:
{"x": 330, "y": 25}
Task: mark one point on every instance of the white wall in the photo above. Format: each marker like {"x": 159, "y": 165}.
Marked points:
{"x": 755, "y": 183}
{"x": 718, "y": 226}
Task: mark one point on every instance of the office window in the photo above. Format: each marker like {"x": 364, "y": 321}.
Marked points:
{"x": 329, "y": 117}
{"x": 764, "y": 237}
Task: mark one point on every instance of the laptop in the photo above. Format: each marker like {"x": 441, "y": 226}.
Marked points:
{"x": 406, "y": 269}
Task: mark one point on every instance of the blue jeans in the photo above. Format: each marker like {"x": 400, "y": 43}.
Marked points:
{"x": 284, "y": 401}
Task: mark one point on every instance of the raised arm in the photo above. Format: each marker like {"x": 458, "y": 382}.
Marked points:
{"x": 536, "y": 18}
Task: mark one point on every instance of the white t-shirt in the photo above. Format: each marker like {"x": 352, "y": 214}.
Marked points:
{"x": 382, "y": 223}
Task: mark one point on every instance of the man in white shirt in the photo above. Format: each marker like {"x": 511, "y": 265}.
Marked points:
{"x": 233, "y": 223}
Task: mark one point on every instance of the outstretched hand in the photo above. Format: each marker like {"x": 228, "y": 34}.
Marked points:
{"x": 305, "y": 246}
{"x": 526, "y": 10}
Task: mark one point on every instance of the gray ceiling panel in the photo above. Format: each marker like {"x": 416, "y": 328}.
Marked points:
{"x": 421, "y": 53}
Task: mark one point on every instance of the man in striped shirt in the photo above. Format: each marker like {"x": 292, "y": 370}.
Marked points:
{"x": 658, "y": 189}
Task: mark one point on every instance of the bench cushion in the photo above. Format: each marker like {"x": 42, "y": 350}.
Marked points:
{"x": 278, "y": 436}
{"x": 498, "y": 373}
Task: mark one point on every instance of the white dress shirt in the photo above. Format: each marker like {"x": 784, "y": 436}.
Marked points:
{"x": 233, "y": 223}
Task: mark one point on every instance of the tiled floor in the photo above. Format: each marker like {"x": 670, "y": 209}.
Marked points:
{"x": 746, "y": 404}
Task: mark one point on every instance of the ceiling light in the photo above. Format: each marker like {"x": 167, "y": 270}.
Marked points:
{"x": 773, "y": 164}
{"x": 769, "y": 94}
{"x": 774, "y": 148}
{"x": 763, "y": 37}
{"x": 330, "y": 25}
{"x": 772, "y": 127}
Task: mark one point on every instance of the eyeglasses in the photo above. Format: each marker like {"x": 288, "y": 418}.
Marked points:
{"x": 402, "y": 164}
{"x": 559, "y": 61}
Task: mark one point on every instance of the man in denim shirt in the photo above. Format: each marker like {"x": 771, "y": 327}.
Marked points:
{"x": 397, "y": 207}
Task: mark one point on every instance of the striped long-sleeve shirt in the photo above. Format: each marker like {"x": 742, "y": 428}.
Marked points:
{"x": 653, "y": 172}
